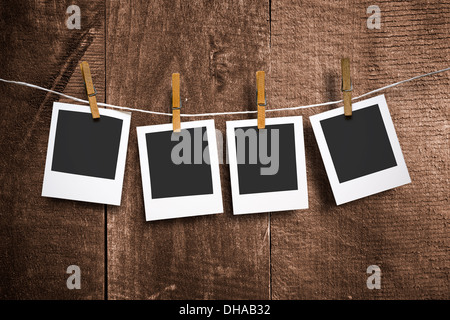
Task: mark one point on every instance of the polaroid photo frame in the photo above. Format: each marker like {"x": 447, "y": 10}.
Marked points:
{"x": 361, "y": 153}
{"x": 254, "y": 190}
{"x": 85, "y": 156}
{"x": 180, "y": 171}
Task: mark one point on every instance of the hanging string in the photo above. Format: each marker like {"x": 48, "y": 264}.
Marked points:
{"x": 223, "y": 113}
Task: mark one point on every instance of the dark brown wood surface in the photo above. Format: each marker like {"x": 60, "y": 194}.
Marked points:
{"x": 132, "y": 49}
{"x": 323, "y": 252}
{"x": 216, "y": 48}
{"x": 40, "y": 237}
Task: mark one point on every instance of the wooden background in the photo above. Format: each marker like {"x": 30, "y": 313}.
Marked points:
{"x": 133, "y": 47}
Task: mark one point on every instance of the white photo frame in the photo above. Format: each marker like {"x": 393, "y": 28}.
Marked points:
{"x": 372, "y": 183}
{"x": 180, "y": 206}
{"x": 81, "y": 187}
{"x": 274, "y": 200}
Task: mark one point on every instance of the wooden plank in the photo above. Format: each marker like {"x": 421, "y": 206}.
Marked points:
{"x": 41, "y": 237}
{"x": 217, "y": 48}
{"x": 323, "y": 252}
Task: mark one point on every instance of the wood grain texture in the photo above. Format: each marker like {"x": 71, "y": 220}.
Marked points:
{"x": 41, "y": 237}
{"x": 133, "y": 48}
{"x": 216, "y": 47}
{"x": 323, "y": 252}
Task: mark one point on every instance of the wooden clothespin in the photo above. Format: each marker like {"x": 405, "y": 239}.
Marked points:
{"x": 90, "y": 89}
{"x": 261, "y": 98}
{"x": 176, "y": 102}
{"x": 347, "y": 86}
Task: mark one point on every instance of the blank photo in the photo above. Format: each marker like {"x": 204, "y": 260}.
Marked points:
{"x": 180, "y": 170}
{"x": 361, "y": 153}
{"x": 85, "y": 156}
{"x": 267, "y": 166}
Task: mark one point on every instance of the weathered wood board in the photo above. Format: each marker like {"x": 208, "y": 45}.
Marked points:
{"x": 41, "y": 237}
{"x": 324, "y": 252}
{"x": 133, "y": 49}
{"x": 216, "y": 48}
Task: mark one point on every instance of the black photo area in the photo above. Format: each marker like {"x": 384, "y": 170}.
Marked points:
{"x": 359, "y": 145}
{"x": 249, "y": 174}
{"x": 168, "y": 179}
{"x": 85, "y": 146}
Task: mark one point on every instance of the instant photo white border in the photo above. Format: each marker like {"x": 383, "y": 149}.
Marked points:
{"x": 183, "y": 206}
{"x": 85, "y": 188}
{"x": 372, "y": 183}
{"x": 269, "y": 201}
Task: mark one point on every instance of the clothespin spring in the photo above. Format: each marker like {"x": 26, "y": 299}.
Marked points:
{"x": 92, "y": 94}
